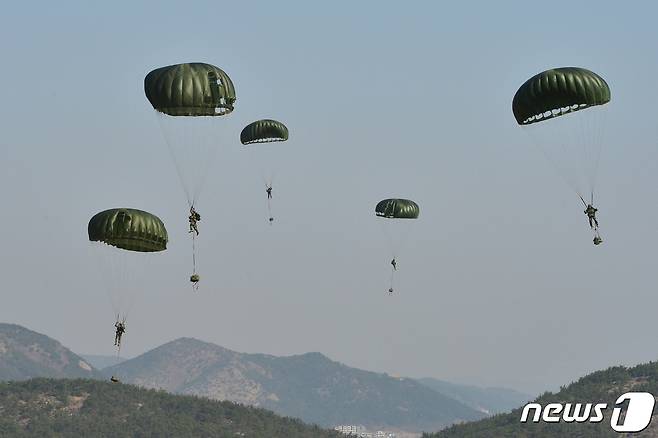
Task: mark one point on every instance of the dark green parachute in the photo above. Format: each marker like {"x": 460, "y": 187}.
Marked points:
{"x": 130, "y": 229}
{"x": 192, "y": 89}
{"x": 264, "y": 131}
{"x": 556, "y": 92}
{"x": 397, "y": 209}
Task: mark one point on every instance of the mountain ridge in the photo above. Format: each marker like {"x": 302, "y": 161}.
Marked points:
{"x": 309, "y": 386}
{"x": 25, "y": 354}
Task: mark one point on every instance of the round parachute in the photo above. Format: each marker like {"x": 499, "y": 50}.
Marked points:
{"x": 191, "y": 89}
{"x": 396, "y": 230}
{"x": 397, "y": 209}
{"x": 265, "y": 158}
{"x": 557, "y": 92}
{"x": 125, "y": 242}
{"x": 129, "y": 229}
{"x": 264, "y": 131}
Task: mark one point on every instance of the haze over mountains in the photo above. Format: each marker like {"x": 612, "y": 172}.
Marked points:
{"x": 309, "y": 386}
{"x": 487, "y": 400}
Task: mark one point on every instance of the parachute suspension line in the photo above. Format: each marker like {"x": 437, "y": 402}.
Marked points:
{"x": 272, "y": 174}
{"x": 170, "y": 148}
{"x": 588, "y": 134}
{"x": 587, "y": 145}
{"x": 193, "y": 164}
{"x": 121, "y": 281}
{"x": 598, "y": 144}
{"x": 108, "y": 266}
{"x": 568, "y": 151}
{"x": 389, "y": 236}
{"x": 584, "y": 203}
{"x": 202, "y": 181}
{"x": 535, "y": 139}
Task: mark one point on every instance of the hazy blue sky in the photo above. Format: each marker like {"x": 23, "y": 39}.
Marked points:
{"x": 499, "y": 284}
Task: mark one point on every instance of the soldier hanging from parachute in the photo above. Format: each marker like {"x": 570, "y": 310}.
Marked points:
{"x": 193, "y": 219}
{"x": 573, "y": 145}
{"x": 190, "y": 98}
{"x": 120, "y": 329}
{"x": 590, "y": 211}
{"x": 265, "y": 131}
{"x": 396, "y": 212}
{"x": 126, "y": 235}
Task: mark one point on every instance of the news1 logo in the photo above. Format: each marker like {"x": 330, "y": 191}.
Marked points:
{"x": 637, "y": 415}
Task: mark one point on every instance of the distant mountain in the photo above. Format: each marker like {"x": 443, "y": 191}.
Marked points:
{"x": 308, "y": 386}
{"x": 99, "y": 361}
{"x": 487, "y": 400}
{"x": 599, "y": 387}
{"x": 25, "y": 354}
{"x": 91, "y": 408}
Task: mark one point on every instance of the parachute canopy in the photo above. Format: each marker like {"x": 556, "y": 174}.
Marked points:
{"x": 194, "y": 89}
{"x": 264, "y": 131}
{"x": 556, "y": 92}
{"x": 397, "y": 209}
{"x": 129, "y": 229}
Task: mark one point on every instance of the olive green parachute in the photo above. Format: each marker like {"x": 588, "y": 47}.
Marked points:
{"x": 397, "y": 209}
{"x": 194, "y": 89}
{"x": 557, "y": 92}
{"x": 129, "y": 229}
{"x": 264, "y": 131}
